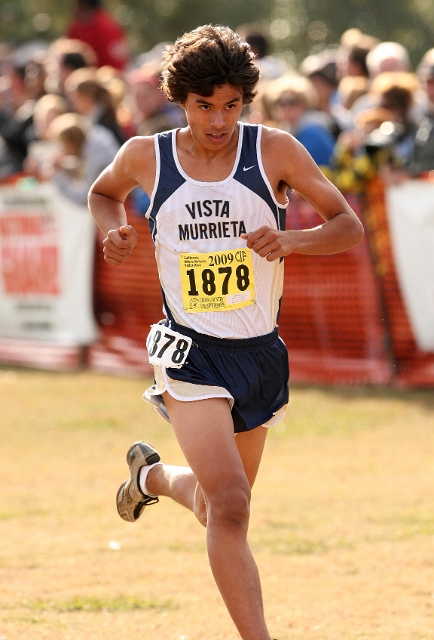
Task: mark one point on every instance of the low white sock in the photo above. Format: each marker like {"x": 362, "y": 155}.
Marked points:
{"x": 142, "y": 478}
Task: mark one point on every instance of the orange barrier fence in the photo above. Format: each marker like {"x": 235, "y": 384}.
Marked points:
{"x": 331, "y": 314}
{"x": 342, "y": 318}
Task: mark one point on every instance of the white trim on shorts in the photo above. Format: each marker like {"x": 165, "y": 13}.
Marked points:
{"x": 189, "y": 392}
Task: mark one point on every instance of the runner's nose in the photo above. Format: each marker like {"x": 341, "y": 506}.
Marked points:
{"x": 218, "y": 120}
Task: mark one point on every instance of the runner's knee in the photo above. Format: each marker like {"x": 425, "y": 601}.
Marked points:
{"x": 229, "y": 506}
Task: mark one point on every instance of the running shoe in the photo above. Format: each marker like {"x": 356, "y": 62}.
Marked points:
{"x": 130, "y": 499}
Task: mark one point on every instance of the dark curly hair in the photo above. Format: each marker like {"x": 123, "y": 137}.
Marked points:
{"x": 205, "y": 58}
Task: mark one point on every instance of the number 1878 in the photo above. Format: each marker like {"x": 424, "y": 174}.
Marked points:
{"x": 208, "y": 277}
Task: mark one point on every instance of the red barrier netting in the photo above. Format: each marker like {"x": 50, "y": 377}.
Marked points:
{"x": 330, "y": 318}
{"x": 127, "y": 301}
{"x": 331, "y": 315}
{"x": 342, "y": 319}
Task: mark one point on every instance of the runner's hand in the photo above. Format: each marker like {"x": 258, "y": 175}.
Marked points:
{"x": 119, "y": 244}
{"x": 269, "y": 243}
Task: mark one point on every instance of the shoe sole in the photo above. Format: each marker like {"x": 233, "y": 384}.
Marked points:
{"x": 150, "y": 458}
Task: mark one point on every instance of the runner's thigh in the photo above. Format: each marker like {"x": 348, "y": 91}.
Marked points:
{"x": 205, "y": 432}
{"x": 250, "y": 445}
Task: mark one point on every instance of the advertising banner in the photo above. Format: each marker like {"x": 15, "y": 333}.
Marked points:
{"x": 46, "y": 266}
{"x": 410, "y": 211}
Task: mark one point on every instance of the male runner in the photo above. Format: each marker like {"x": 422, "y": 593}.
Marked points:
{"x": 217, "y": 217}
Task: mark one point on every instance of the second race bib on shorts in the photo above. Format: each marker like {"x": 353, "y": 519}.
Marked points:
{"x": 217, "y": 281}
{"x": 167, "y": 348}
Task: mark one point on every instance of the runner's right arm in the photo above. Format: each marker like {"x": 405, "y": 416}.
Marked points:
{"x": 134, "y": 165}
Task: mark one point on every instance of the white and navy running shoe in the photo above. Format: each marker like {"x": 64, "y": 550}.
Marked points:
{"x": 130, "y": 499}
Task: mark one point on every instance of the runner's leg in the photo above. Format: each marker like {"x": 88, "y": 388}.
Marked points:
{"x": 204, "y": 430}
{"x": 180, "y": 483}
{"x": 250, "y": 445}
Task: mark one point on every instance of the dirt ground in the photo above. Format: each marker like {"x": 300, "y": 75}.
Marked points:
{"x": 342, "y": 520}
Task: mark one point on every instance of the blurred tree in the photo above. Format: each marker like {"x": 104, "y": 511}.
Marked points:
{"x": 152, "y": 21}
{"x": 308, "y": 26}
{"x": 296, "y": 27}
{"x": 147, "y": 22}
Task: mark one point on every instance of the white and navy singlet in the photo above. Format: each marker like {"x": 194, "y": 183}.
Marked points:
{"x": 211, "y": 282}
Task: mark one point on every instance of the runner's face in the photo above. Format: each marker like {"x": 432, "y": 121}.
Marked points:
{"x": 212, "y": 119}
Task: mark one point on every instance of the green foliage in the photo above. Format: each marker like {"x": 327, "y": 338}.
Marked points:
{"x": 152, "y": 21}
{"x": 92, "y": 604}
{"x": 147, "y": 22}
{"x": 315, "y": 24}
{"x": 25, "y": 20}
{"x": 296, "y": 27}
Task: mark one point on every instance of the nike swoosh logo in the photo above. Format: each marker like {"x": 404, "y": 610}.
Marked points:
{"x": 247, "y": 168}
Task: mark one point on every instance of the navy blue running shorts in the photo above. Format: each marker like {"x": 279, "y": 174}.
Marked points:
{"x": 252, "y": 373}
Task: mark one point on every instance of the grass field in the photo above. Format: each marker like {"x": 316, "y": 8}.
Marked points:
{"x": 342, "y": 518}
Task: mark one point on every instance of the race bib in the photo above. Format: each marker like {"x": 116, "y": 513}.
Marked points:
{"x": 166, "y": 347}
{"x": 218, "y": 281}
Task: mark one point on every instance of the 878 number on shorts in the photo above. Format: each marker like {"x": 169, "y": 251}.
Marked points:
{"x": 166, "y": 347}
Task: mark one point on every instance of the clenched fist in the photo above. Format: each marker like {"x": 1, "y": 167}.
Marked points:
{"x": 119, "y": 244}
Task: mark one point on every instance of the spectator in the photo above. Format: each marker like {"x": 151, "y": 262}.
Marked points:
{"x": 383, "y": 138}
{"x": 35, "y": 76}
{"x": 115, "y": 82}
{"x": 321, "y": 69}
{"x": 90, "y": 98}
{"x": 351, "y": 88}
{"x": 84, "y": 151}
{"x": 293, "y": 102}
{"x": 261, "y": 109}
{"x": 46, "y": 110}
{"x": 16, "y": 119}
{"x": 96, "y": 27}
{"x": 395, "y": 92}
{"x": 422, "y": 159}
{"x": 387, "y": 57}
{"x": 352, "y": 68}
{"x": 151, "y": 111}
{"x": 42, "y": 151}
{"x": 269, "y": 66}
{"x": 64, "y": 56}
{"x": 357, "y": 158}
{"x": 353, "y": 51}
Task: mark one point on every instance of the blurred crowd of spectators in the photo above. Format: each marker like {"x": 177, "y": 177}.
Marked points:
{"x": 66, "y": 107}
{"x": 359, "y": 108}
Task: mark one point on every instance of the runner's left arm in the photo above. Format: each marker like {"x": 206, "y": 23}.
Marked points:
{"x": 341, "y": 229}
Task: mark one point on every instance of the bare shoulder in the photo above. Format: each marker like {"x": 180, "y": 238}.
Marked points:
{"x": 133, "y": 165}
{"x": 139, "y": 145}
{"x": 286, "y": 160}
{"x": 282, "y": 160}
{"x": 272, "y": 135}
{"x": 275, "y": 141}
{"x": 137, "y": 155}
{"x": 281, "y": 149}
